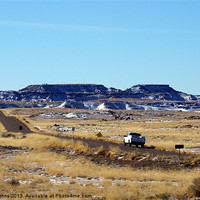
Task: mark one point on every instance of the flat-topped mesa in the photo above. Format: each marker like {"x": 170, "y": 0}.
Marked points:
{"x": 151, "y": 88}
{"x": 85, "y": 93}
{"x": 158, "y": 92}
{"x": 66, "y": 88}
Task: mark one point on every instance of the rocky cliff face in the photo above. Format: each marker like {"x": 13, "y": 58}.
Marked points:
{"x": 159, "y": 92}
{"x": 50, "y": 93}
{"x": 83, "y": 95}
{"x": 151, "y": 89}
{"x": 66, "y": 88}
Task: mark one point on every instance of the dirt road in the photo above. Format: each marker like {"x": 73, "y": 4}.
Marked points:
{"x": 12, "y": 124}
{"x": 146, "y": 150}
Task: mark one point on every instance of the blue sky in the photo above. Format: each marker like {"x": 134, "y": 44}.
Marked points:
{"x": 115, "y": 43}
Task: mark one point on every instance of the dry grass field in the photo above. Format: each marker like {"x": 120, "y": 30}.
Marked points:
{"x": 162, "y": 128}
{"x": 40, "y": 166}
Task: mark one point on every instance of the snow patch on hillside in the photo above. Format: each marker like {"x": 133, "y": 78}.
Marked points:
{"x": 128, "y": 107}
{"x": 102, "y": 107}
{"x": 62, "y": 105}
{"x": 71, "y": 115}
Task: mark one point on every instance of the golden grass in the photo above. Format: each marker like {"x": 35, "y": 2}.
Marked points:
{"x": 128, "y": 182}
{"x": 162, "y": 132}
{"x": 163, "y": 135}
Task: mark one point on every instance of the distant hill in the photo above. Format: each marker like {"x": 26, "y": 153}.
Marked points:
{"x": 93, "y": 96}
{"x": 160, "y": 92}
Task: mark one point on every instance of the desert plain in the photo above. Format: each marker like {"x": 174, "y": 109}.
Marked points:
{"x": 79, "y": 154}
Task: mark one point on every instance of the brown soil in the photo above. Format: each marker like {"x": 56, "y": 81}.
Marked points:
{"x": 12, "y": 124}
{"x": 123, "y": 159}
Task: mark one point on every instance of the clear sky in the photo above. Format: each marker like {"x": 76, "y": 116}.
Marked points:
{"x": 116, "y": 43}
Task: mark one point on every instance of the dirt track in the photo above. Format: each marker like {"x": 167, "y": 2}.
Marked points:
{"x": 146, "y": 150}
{"x": 12, "y": 124}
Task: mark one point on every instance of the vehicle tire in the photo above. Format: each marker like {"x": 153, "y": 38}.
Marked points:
{"x": 142, "y": 145}
{"x": 136, "y": 145}
{"x": 124, "y": 143}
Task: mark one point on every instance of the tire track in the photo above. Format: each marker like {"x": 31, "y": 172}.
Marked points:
{"x": 106, "y": 145}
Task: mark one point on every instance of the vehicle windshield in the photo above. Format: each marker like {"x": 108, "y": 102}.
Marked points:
{"x": 134, "y": 134}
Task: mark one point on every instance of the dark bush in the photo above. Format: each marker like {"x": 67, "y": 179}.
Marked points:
{"x": 14, "y": 182}
{"x": 194, "y": 189}
{"x": 6, "y": 134}
{"x": 163, "y": 196}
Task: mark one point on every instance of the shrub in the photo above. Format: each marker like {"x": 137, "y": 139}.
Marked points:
{"x": 102, "y": 152}
{"x": 6, "y": 134}
{"x": 14, "y": 182}
{"x": 13, "y": 135}
{"x": 163, "y": 196}
{"x": 194, "y": 189}
{"x": 136, "y": 156}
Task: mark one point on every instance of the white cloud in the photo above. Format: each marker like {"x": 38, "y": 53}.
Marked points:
{"x": 67, "y": 27}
